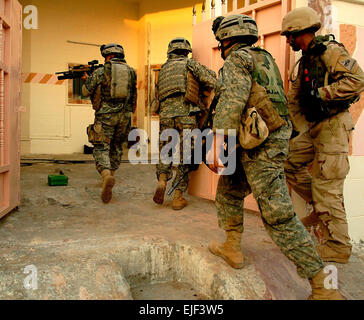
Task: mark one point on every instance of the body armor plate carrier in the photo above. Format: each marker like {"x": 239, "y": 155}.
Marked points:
{"x": 314, "y": 75}
{"x": 172, "y": 78}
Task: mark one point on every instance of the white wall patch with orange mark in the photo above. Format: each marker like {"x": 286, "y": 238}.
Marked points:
{"x": 41, "y": 78}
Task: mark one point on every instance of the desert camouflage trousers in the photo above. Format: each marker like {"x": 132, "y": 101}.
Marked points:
{"x": 179, "y": 124}
{"x": 112, "y": 131}
{"x": 261, "y": 171}
{"x": 325, "y": 146}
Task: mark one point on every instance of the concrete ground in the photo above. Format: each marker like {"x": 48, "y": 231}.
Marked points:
{"x": 133, "y": 248}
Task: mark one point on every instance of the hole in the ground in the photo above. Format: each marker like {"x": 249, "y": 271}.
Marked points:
{"x": 141, "y": 269}
{"x": 172, "y": 290}
{"x": 162, "y": 270}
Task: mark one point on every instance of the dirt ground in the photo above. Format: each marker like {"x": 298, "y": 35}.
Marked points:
{"x": 66, "y": 231}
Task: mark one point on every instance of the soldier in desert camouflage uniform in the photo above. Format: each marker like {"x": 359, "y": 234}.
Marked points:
{"x": 113, "y": 93}
{"x": 176, "y": 112}
{"x": 328, "y": 81}
{"x": 259, "y": 170}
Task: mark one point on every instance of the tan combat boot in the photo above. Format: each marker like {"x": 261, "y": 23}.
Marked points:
{"x": 178, "y": 201}
{"x": 319, "y": 292}
{"x": 108, "y": 184}
{"x": 339, "y": 254}
{"x": 161, "y": 189}
{"x": 230, "y": 251}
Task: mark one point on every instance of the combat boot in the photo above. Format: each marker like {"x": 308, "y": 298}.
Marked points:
{"x": 339, "y": 254}
{"x": 310, "y": 220}
{"x": 108, "y": 184}
{"x": 230, "y": 251}
{"x": 178, "y": 201}
{"x": 161, "y": 189}
{"x": 319, "y": 292}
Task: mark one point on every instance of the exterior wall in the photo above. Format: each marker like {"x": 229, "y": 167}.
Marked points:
{"x": 10, "y": 75}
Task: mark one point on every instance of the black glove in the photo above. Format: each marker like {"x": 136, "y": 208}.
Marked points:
{"x": 294, "y": 134}
{"x": 315, "y": 97}
{"x": 316, "y": 108}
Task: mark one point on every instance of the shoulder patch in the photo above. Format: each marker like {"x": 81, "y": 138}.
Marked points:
{"x": 348, "y": 63}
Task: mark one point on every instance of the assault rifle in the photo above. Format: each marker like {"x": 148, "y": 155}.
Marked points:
{"x": 206, "y": 122}
{"x": 78, "y": 71}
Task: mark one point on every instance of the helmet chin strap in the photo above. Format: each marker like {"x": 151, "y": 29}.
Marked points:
{"x": 293, "y": 45}
{"x": 224, "y": 49}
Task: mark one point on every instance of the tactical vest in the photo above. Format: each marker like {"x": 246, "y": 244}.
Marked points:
{"x": 172, "y": 78}
{"x": 314, "y": 75}
{"x": 267, "y": 74}
{"x": 117, "y": 81}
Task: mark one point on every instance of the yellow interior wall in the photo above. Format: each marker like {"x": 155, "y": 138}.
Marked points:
{"x": 167, "y": 20}
{"x": 50, "y": 125}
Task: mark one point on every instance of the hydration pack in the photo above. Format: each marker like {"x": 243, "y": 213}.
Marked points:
{"x": 120, "y": 80}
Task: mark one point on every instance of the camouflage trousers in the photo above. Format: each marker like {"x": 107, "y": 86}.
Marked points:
{"x": 326, "y": 147}
{"x": 179, "y": 124}
{"x": 261, "y": 171}
{"x": 110, "y": 131}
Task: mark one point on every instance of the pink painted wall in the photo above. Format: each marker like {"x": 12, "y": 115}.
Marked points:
{"x": 10, "y": 84}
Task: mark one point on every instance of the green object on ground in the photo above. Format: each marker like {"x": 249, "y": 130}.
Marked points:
{"x": 57, "y": 180}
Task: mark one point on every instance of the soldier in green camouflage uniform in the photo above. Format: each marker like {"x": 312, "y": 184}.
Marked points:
{"x": 178, "y": 113}
{"x": 113, "y": 93}
{"x": 259, "y": 170}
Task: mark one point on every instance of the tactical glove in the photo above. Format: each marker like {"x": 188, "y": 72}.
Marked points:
{"x": 317, "y": 109}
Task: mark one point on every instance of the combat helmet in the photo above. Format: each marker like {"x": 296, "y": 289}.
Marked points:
{"x": 237, "y": 25}
{"x": 299, "y": 20}
{"x": 179, "y": 44}
{"x": 112, "y": 48}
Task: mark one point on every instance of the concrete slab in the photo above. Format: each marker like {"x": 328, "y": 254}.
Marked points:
{"x": 83, "y": 249}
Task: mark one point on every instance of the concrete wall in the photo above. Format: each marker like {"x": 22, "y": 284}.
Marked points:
{"x": 52, "y": 126}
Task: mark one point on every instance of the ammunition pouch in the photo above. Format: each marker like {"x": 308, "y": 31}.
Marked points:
{"x": 192, "y": 89}
{"x": 96, "y": 134}
{"x": 260, "y": 100}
